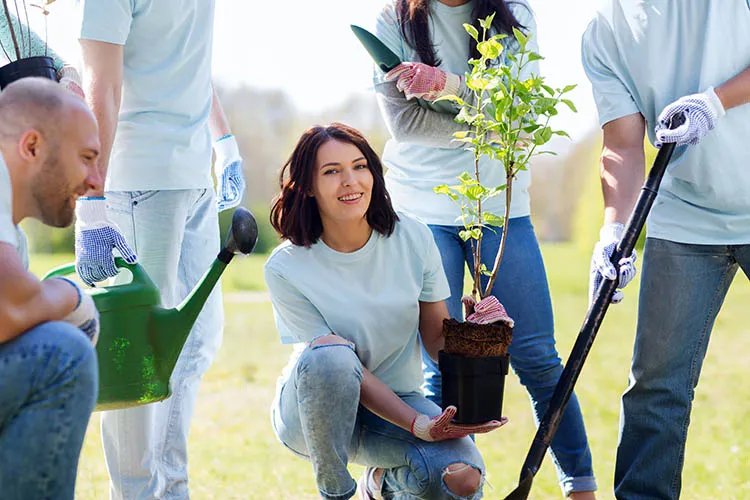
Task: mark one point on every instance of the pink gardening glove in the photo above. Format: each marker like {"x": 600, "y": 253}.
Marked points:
{"x": 486, "y": 311}
{"x": 426, "y": 82}
{"x": 70, "y": 79}
{"x": 440, "y": 428}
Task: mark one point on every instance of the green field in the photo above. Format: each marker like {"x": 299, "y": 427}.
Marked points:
{"x": 233, "y": 453}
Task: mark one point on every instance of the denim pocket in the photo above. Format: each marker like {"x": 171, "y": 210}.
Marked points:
{"x": 141, "y": 196}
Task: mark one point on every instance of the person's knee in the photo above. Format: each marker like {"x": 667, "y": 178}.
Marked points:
{"x": 462, "y": 479}
{"x": 331, "y": 356}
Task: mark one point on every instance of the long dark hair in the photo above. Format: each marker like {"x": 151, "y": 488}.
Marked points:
{"x": 294, "y": 213}
{"x": 414, "y": 18}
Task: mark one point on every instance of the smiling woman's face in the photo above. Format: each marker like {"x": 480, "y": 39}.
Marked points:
{"x": 342, "y": 183}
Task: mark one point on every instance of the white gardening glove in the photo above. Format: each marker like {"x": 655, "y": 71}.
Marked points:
{"x": 440, "y": 428}
{"x": 417, "y": 79}
{"x": 230, "y": 181}
{"x": 602, "y": 268}
{"x": 70, "y": 79}
{"x": 701, "y": 112}
{"x": 96, "y": 237}
{"x": 85, "y": 316}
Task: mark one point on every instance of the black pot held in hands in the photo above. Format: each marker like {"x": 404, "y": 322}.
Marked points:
{"x": 475, "y": 386}
{"x": 42, "y": 66}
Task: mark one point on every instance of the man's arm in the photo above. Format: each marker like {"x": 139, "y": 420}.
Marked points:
{"x": 102, "y": 83}
{"x": 25, "y": 301}
{"x": 623, "y": 166}
{"x": 217, "y": 120}
{"x": 736, "y": 91}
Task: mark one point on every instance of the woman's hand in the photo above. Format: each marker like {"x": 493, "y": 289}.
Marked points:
{"x": 70, "y": 79}
{"x": 416, "y": 79}
{"x": 440, "y": 428}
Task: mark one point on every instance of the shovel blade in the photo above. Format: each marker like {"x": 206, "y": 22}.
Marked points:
{"x": 522, "y": 490}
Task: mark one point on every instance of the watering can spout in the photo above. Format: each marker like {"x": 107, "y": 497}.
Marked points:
{"x": 170, "y": 328}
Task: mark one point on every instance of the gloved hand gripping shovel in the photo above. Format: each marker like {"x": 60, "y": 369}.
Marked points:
{"x": 594, "y": 317}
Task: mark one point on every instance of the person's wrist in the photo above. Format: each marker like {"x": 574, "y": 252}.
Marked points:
{"x": 452, "y": 84}
{"x": 714, "y": 102}
{"x": 611, "y": 231}
{"x": 227, "y": 148}
{"x": 91, "y": 208}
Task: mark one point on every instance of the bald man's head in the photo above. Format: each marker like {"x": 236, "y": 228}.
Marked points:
{"x": 50, "y": 142}
{"x": 37, "y": 103}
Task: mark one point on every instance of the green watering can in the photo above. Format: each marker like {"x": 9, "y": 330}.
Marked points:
{"x": 140, "y": 341}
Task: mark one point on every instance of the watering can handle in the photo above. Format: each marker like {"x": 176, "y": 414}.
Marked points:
{"x": 139, "y": 273}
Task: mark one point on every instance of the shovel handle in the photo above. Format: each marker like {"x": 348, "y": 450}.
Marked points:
{"x": 595, "y": 315}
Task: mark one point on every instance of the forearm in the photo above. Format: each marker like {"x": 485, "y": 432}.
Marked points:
{"x": 409, "y": 122}
{"x": 217, "y": 120}
{"x": 383, "y": 402}
{"x": 31, "y": 302}
{"x": 735, "y": 92}
{"x": 622, "y": 173}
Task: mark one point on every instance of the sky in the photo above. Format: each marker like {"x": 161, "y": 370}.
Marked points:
{"x": 309, "y": 52}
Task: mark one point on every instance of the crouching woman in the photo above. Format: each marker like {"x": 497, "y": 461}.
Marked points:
{"x": 356, "y": 287}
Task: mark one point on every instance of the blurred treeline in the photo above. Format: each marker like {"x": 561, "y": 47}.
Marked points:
{"x": 566, "y": 199}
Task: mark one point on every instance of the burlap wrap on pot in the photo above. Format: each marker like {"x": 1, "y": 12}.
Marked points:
{"x": 476, "y": 341}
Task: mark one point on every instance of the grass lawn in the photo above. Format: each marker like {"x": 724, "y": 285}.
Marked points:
{"x": 234, "y": 455}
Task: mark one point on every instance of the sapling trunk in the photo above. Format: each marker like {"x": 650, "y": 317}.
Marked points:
{"x": 504, "y": 235}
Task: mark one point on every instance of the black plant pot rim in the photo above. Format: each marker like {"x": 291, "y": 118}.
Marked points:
{"x": 38, "y": 66}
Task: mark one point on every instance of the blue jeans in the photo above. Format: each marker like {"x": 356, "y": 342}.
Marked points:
{"x": 317, "y": 415}
{"x": 49, "y": 384}
{"x": 521, "y": 286}
{"x": 175, "y": 234}
{"x": 682, "y": 289}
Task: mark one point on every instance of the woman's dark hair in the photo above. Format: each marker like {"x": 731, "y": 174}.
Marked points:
{"x": 294, "y": 212}
{"x": 414, "y": 17}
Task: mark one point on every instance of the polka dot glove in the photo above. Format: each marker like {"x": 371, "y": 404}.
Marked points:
{"x": 701, "y": 113}
{"x": 85, "y": 316}
{"x": 602, "y": 268}
{"x": 230, "y": 187}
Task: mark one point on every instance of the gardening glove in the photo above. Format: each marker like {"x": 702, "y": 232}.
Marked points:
{"x": 70, "y": 79}
{"x": 228, "y": 170}
{"x": 426, "y": 82}
{"x": 701, "y": 112}
{"x": 602, "y": 268}
{"x": 96, "y": 237}
{"x": 85, "y": 316}
{"x": 440, "y": 428}
{"x": 486, "y": 311}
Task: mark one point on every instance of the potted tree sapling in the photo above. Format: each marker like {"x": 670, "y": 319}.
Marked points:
{"x": 27, "y": 55}
{"x": 508, "y": 121}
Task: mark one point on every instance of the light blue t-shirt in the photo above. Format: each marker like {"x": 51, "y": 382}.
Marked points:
{"x": 162, "y": 139}
{"x": 370, "y": 297}
{"x": 642, "y": 55}
{"x": 9, "y": 232}
{"x": 414, "y": 170}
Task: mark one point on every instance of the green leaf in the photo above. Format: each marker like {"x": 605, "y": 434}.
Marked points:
{"x": 492, "y": 219}
{"x": 461, "y": 134}
{"x": 466, "y": 178}
{"x": 486, "y": 23}
{"x": 472, "y": 31}
{"x": 569, "y": 104}
{"x": 568, "y": 88}
{"x": 451, "y": 98}
{"x": 475, "y": 193}
{"x": 490, "y": 49}
{"x": 522, "y": 39}
{"x": 533, "y": 56}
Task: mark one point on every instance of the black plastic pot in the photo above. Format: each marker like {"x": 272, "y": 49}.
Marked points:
{"x": 29, "y": 66}
{"x": 475, "y": 386}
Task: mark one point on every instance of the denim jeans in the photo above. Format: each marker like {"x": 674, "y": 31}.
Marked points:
{"x": 175, "y": 234}
{"x": 682, "y": 289}
{"x": 317, "y": 415}
{"x": 49, "y": 384}
{"x": 521, "y": 286}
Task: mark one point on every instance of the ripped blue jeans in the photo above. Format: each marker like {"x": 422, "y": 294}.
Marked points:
{"x": 317, "y": 415}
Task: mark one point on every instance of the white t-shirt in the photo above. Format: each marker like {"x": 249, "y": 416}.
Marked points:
{"x": 162, "y": 140}
{"x": 370, "y": 297}
{"x": 9, "y": 232}
{"x": 642, "y": 55}
{"x": 414, "y": 170}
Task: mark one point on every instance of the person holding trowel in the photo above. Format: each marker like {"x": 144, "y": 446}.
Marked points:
{"x": 48, "y": 364}
{"x": 648, "y": 62}
{"x": 147, "y": 73}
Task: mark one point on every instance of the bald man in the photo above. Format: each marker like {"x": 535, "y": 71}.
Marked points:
{"x": 48, "y": 371}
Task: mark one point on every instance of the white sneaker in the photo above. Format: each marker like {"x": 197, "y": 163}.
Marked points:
{"x": 367, "y": 488}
